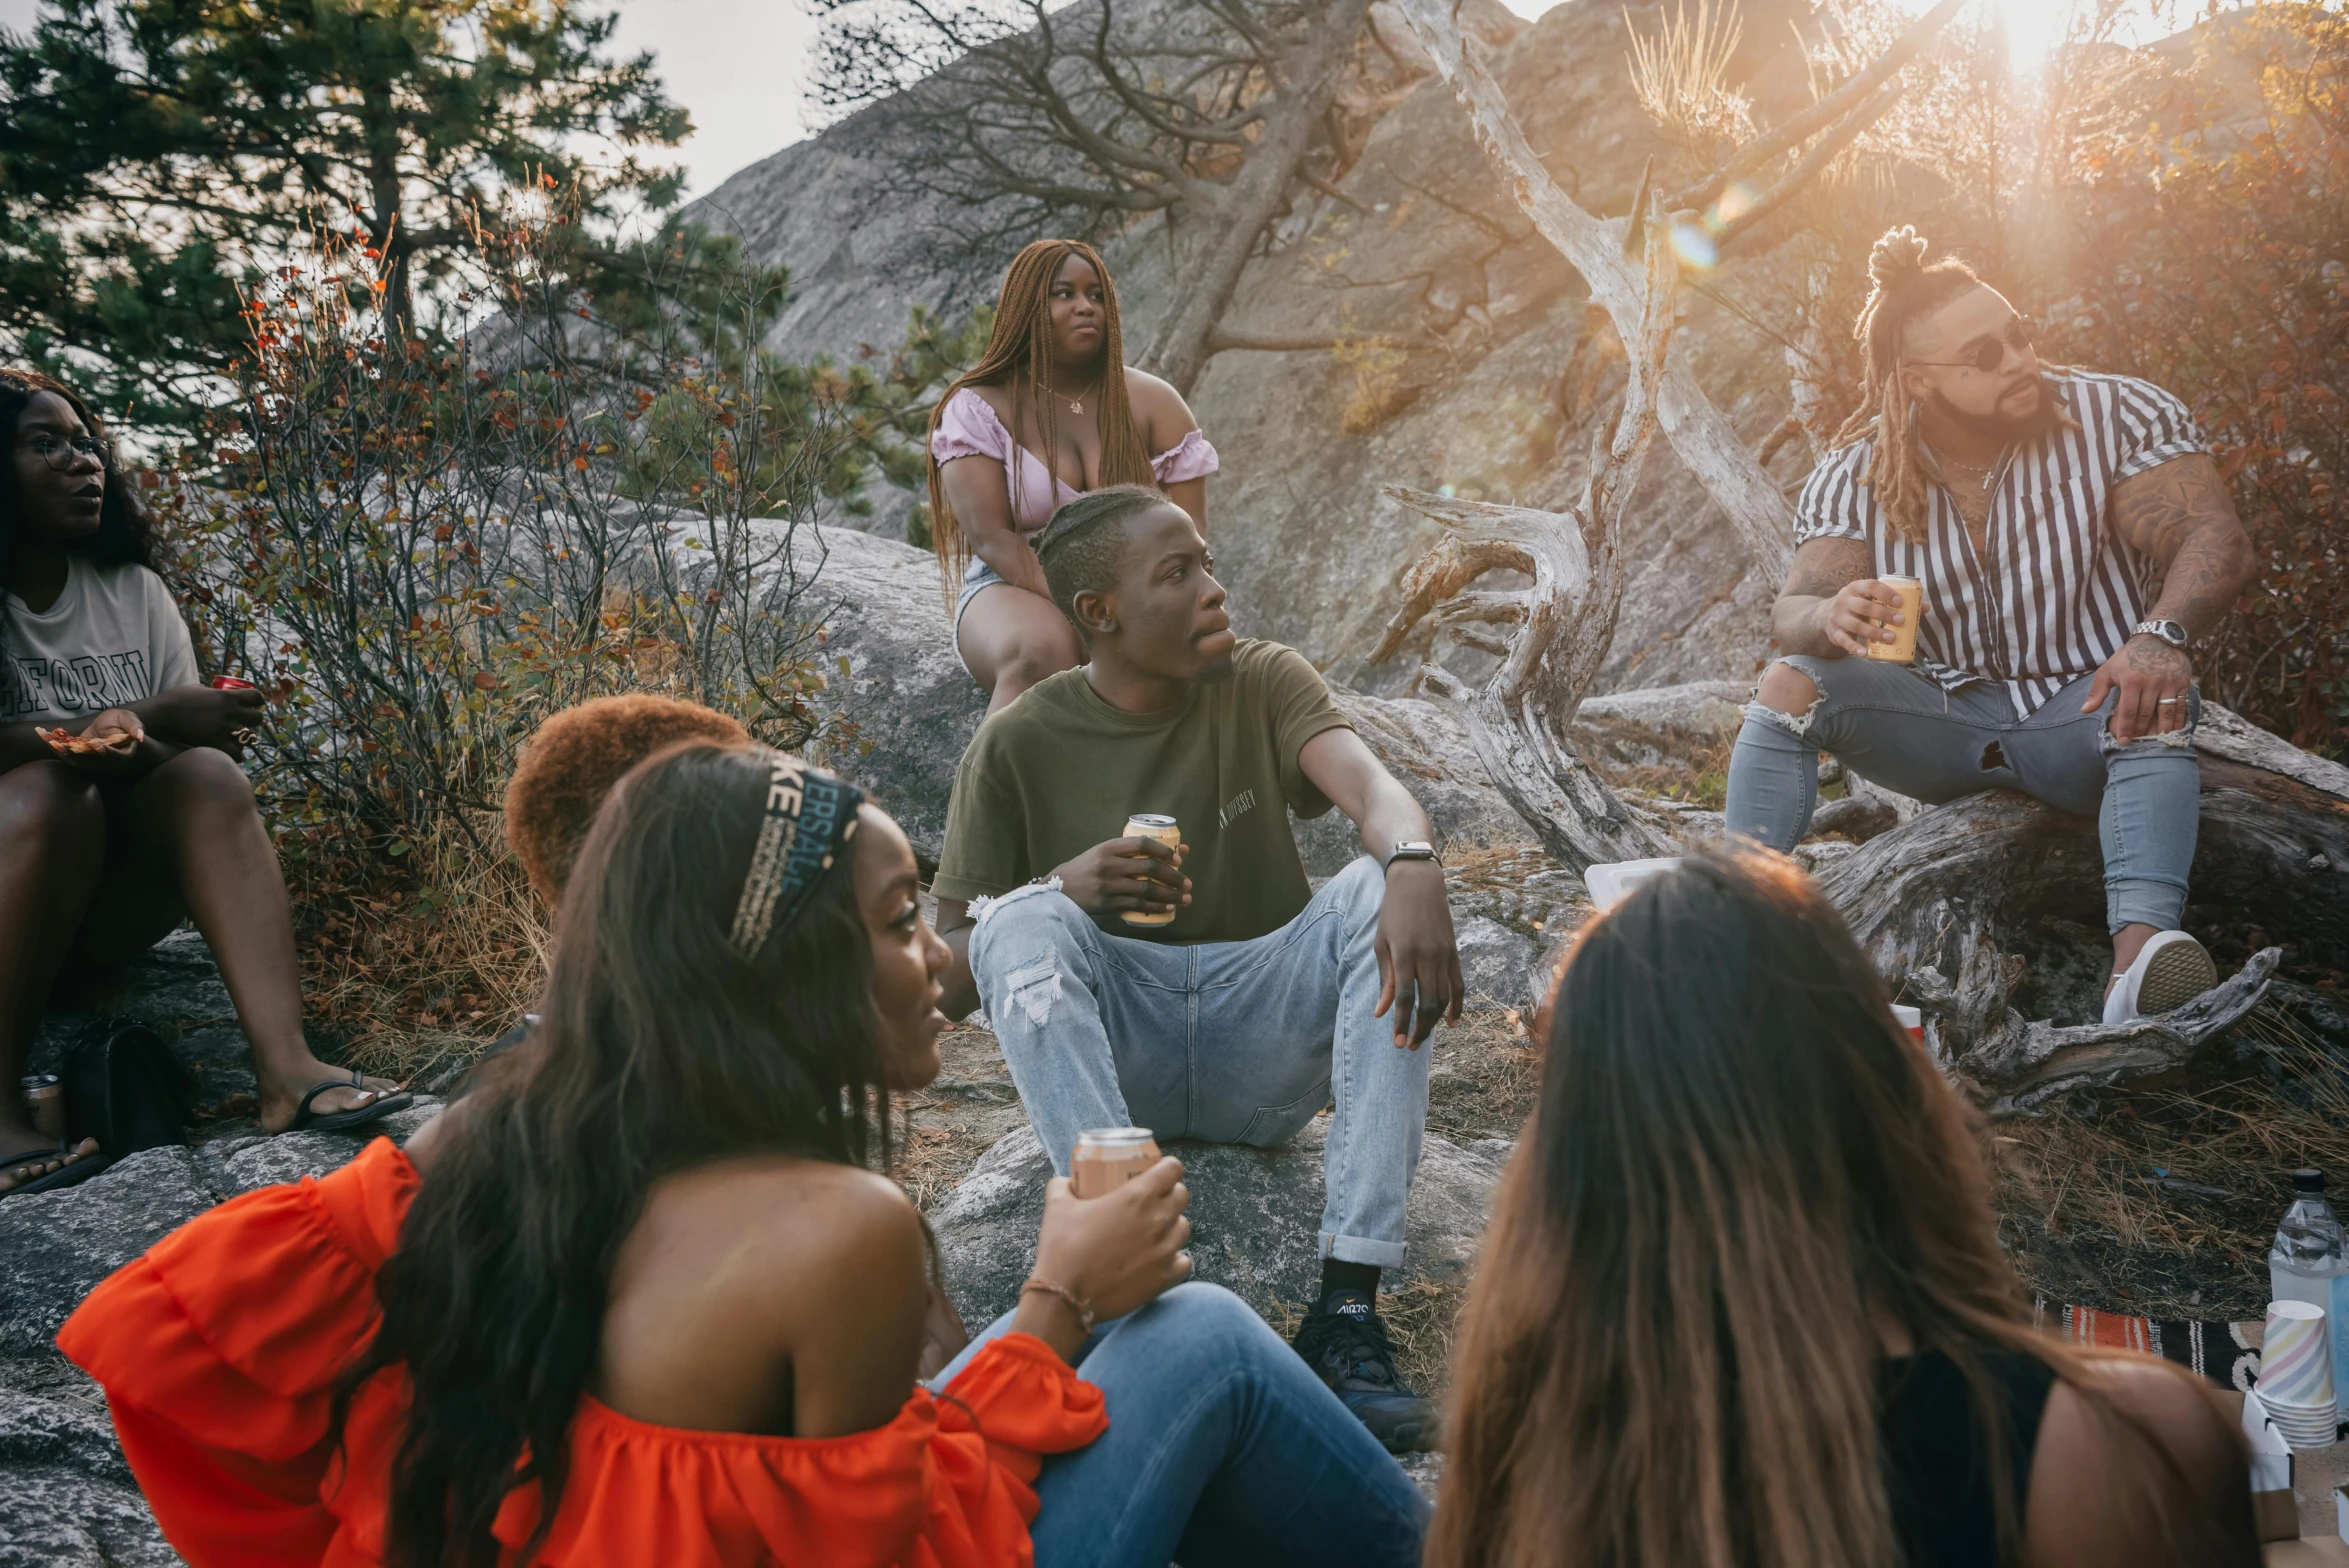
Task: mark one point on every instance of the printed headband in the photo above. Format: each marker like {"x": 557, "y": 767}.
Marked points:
{"x": 809, "y": 816}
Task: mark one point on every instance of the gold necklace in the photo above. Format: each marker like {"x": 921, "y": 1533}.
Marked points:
{"x": 1076, "y": 405}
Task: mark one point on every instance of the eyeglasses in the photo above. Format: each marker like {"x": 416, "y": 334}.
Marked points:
{"x": 1991, "y": 353}
{"x": 60, "y": 454}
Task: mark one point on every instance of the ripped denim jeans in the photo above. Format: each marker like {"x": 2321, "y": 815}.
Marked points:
{"x": 1895, "y": 726}
{"x": 1226, "y": 1042}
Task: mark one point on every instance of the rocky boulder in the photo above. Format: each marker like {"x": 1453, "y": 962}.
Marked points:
{"x": 1255, "y": 1215}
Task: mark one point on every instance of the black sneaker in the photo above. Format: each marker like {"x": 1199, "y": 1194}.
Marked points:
{"x": 1347, "y": 1347}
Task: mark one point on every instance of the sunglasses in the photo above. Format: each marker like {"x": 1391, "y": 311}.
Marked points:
{"x": 1990, "y": 353}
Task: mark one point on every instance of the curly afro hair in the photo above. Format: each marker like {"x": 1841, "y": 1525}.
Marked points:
{"x": 571, "y": 764}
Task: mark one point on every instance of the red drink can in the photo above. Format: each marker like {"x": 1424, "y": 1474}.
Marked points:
{"x": 230, "y": 683}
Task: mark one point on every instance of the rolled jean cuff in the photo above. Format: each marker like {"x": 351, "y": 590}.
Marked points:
{"x": 2136, "y": 901}
{"x": 1361, "y": 1249}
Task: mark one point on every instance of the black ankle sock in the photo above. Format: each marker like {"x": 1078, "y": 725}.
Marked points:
{"x": 1339, "y": 1275}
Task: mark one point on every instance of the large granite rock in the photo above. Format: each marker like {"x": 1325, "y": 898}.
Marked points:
{"x": 1427, "y": 245}
{"x": 1255, "y": 1216}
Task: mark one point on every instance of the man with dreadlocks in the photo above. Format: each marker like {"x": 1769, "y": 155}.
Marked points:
{"x": 2073, "y": 538}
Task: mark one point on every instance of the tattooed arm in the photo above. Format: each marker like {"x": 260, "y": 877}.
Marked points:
{"x": 1831, "y": 601}
{"x": 2180, "y": 517}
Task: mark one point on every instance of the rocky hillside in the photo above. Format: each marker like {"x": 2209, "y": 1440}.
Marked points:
{"x": 1423, "y": 244}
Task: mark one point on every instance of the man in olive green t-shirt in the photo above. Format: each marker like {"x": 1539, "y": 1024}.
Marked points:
{"x": 1259, "y": 1003}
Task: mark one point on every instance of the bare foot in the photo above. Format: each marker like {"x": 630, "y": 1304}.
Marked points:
{"x": 281, "y": 1097}
{"x": 31, "y": 1161}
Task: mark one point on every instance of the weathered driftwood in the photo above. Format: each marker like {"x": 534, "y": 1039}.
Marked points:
{"x": 1559, "y": 625}
{"x": 1949, "y": 905}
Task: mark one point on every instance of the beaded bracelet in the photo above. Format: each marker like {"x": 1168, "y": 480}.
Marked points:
{"x": 1075, "y": 1304}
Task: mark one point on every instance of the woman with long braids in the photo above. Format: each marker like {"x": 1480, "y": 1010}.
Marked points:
{"x": 1050, "y": 411}
{"x": 1743, "y": 1301}
{"x": 122, "y": 809}
{"x": 638, "y": 1299}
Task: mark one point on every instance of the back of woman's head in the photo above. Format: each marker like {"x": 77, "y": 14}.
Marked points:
{"x": 677, "y": 1028}
{"x": 123, "y": 535}
{"x": 1739, "y": 1167}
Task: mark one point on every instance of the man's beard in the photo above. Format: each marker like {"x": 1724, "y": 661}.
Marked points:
{"x": 1217, "y": 670}
{"x": 2007, "y": 429}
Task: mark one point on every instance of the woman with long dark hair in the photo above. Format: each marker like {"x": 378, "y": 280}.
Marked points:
{"x": 1050, "y": 411}
{"x": 133, "y": 814}
{"x": 637, "y": 1299}
{"x": 1743, "y": 1301}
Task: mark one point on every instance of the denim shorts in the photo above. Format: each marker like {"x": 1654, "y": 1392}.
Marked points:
{"x": 975, "y": 576}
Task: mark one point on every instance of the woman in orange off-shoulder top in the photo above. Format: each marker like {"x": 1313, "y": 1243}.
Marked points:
{"x": 637, "y": 1299}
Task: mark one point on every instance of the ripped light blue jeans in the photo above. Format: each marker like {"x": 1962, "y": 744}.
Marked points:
{"x": 1226, "y": 1042}
{"x": 1894, "y": 725}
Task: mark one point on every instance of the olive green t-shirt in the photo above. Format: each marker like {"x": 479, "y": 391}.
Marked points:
{"x": 1060, "y": 770}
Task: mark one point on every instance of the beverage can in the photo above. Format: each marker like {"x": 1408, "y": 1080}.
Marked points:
{"x": 1106, "y": 1158}
{"x": 1903, "y": 647}
{"x": 44, "y": 1100}
{"x": 1151, "y": 824}
{"x": 230, "y": 683}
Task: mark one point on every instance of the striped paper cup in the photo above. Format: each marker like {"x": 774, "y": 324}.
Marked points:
{"x": 2295, "y": 1360}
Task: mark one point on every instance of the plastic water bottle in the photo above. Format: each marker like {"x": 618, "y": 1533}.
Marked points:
{"x": 2310, "y": 1262}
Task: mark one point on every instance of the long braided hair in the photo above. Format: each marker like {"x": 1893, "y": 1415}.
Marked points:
{"x": 1019, "y": 355}
{"x": 1902, "y": 287}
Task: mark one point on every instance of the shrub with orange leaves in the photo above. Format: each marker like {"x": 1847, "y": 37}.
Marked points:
{"x": 2220, "y": 233}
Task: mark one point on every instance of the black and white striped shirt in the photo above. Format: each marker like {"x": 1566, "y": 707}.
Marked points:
{"x": 2056, "y": 591}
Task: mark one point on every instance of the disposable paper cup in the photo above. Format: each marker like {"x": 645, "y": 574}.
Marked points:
{"x": 2296, "y": 1360}
{"x": 1911, "y": 1020}
{"x": 1611, "y": 882}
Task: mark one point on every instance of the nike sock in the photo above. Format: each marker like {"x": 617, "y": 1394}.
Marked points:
{"x": 1339, "y": 1275}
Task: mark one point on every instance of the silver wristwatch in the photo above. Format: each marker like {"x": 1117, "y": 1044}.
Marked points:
{"x": 2171, "y": 632}
{"x": 1412, "y": 849}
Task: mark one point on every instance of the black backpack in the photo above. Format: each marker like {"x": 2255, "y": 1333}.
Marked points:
{"x": 125, "y": 1088}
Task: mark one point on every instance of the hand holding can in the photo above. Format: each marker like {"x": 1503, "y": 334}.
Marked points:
{"x": 1152, "y": 825}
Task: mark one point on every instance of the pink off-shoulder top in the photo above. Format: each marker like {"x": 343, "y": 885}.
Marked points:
{"x": 968, "y": 427}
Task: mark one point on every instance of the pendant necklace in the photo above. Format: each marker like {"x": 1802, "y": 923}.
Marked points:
{"x": 1968, "y": 468}
{"x": 1076, "y": 405}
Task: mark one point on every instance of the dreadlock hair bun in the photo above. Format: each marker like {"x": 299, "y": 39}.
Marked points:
{"x": 1895, "y": 259}
{"x": 1902, "y": 287}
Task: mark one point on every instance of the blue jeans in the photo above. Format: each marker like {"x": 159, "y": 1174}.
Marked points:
{"x": 1223, "y": 1448}
{"x": 1895, "y": 726}
{"x": 1227, "y": 1042}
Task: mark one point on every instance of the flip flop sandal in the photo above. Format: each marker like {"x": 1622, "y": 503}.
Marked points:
{"x": 71, "y": 1175}
{"x": 307, "y": 1120}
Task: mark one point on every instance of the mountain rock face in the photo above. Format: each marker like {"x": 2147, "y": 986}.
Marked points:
{"x": 1425, "y": 245}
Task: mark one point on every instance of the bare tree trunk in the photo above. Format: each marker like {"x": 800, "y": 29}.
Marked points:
{"x": 1234, "y": 218}
{"x": 1564, "y": 621}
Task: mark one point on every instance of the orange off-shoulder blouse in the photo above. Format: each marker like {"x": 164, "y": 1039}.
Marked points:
{"x": 219, "y": 1348}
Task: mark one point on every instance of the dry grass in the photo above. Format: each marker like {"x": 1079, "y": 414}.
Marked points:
{"x": 2161, "y": 1201}
{"x": 1697, "y": 772}
{"x": 417, "y": 978}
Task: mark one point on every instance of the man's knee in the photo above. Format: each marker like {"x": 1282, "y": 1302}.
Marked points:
{"x": 1787, "y": 690}
{"x": 1020, "y": 930}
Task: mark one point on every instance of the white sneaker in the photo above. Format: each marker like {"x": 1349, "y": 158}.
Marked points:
{"x": 2171, "y": 970}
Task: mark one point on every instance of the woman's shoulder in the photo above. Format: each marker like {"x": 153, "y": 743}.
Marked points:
{"x": 1157, "y": 406}
{"x": 794, "y": 1214}
{"x": 2137, "y": 1464}
{"x": 971, "y": 424}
